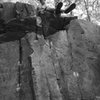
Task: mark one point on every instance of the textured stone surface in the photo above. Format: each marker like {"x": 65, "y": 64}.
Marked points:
{"x": 9, "y": 56}
{"x": 64, "y": 68}
{"x": 69, "y": 70}
{"x": 8, "y": 73}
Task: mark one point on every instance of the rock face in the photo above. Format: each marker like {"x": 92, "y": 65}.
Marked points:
{"x": 69, "y": 70}
{"x": 9, "y": 69}
{"x": 64, "y": 68}
{"x": 9, "y": 57}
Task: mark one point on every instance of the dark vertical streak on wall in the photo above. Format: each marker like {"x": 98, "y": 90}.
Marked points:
{"x": 20, "y": 62}
{"x": 20, "y": 52}
{"x": 31, "y": 80}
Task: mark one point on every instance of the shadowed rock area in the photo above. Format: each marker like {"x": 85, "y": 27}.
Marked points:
{"x": 66, "y": 70}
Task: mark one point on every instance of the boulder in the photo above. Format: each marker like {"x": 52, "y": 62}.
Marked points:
{"x": 66, "y": 66}
{"x": 63, "y": 67}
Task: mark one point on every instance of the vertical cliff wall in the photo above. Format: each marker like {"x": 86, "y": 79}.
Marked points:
{"x": 69, "y": 70}
{"x": 10, "y": 76}
{"x": 9, "y": 73}
{"x": 66, "y": 70}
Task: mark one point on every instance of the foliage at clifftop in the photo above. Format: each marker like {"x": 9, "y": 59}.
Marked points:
{"x": 86, "y": 9}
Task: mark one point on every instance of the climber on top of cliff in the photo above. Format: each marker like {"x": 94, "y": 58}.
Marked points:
{"x": 58, "y": 10}
{"x": 52, "y": 21}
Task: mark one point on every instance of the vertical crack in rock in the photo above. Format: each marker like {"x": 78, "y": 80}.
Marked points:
{"x": 65, "y": 72}
{"x": 60, "y": 74}
{"x": 49, "y": 89}
{"x": 64, "y": 90}
{"x": 31, "y": 83}
{"x": 70, "y": 50}
{"x": 25, "y": 73}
